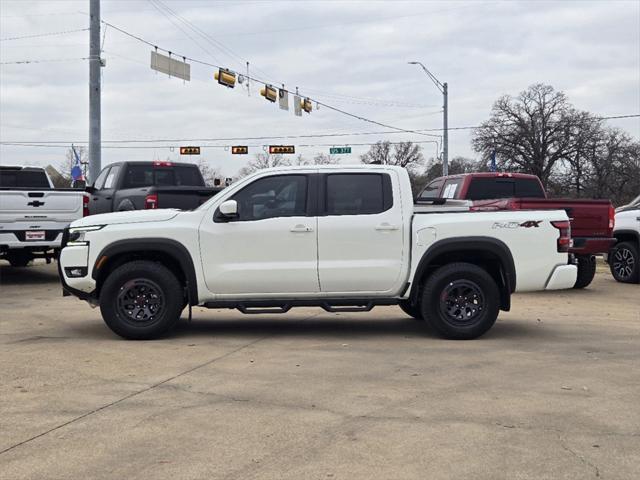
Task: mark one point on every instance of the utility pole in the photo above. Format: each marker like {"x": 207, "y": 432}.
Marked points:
{"x": 444, "y": 89}
{"x": 445, "y": 135}
{"x": 95, "y": 153}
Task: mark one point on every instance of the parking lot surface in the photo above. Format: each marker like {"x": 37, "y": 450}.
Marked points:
{"x": 552, "y": 391}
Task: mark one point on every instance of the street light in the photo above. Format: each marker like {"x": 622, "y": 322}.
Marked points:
{"x": 444, "y": 90}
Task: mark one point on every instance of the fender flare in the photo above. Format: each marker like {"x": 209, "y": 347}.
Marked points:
{"x": 172, "y": 248}
{"x": 461, "y": 244}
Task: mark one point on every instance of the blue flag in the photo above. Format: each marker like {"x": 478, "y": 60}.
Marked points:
{"x": 76, "y": 170}
{"x": 493, "y": 161}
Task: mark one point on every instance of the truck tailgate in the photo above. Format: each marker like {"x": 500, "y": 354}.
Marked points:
{"x": 589, "y": 218}
{"x": 45, "y": 205}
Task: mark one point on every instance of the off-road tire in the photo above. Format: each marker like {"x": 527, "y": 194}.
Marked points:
{"x": 586, "y": 270}
{"x": 141, "y": 300}
{"x": 624, "y": 262}
{"x": 460, "y": 301}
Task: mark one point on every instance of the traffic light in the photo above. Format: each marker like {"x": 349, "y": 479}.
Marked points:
{"x": 216, "y": 182}
{"x": 306, "y": 105}
{"x": 189, "y": 150}
{"x": 240, "y": 150}
{"x": 269, "y": 93}
{"x": 279, "y": 149}
{"x": 225, "y": 77}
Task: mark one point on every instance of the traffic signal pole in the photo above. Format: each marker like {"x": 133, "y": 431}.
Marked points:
{"x": 445, "y": 134}
{"x": 95, "y": 152}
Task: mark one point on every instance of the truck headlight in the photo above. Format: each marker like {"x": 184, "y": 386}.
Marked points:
{"x": 77, "y": 235}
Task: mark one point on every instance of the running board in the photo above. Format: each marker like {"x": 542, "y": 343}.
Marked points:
{"x": 332, "y": 305}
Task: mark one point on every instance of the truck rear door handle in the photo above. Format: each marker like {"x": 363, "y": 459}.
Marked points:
{"x": 387, "y": 227}
{"x": 301, "y": 229}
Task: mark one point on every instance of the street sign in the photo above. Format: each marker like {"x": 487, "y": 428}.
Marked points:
{"x": 239, "y": 150}
{"x": 339, "y": 150}
{"x": 189, "y": 150}
{"x": 282, "y": 149}
{"x": 170, "y": 66}
{"x": 283, "y": 101}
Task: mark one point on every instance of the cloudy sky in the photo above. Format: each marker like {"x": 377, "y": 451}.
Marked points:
{"x": 348, "y": 54}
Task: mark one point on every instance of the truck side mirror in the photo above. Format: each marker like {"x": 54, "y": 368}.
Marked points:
{"x": 227, "y": 210}
{"x": 89, "y": 189}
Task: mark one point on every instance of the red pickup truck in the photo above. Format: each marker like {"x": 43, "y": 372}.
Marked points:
{"x": 592, "y": 221}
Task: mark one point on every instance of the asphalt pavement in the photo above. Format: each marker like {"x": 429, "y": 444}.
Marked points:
{"x": 552, "y": 391}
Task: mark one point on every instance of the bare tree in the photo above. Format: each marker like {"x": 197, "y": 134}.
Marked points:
{"x": 209, "y": 173}
{"x": 261, "y": 161}
{"x": 318, "y": 159}
{"x": 403, "y": 154}
{"x": 531, "y": 132}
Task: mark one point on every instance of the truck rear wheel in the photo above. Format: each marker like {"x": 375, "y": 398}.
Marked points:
{"x": 586, "y": 270}
{"x": 410, "y": 309}
{"x": 624, "y": 262}
{"x": 460, "y": 301}
{"x": 141, "y": 300}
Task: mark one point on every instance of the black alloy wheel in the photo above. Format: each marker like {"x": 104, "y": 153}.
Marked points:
{"x": 462, "y": 302}
{"x": 624, "y": 263}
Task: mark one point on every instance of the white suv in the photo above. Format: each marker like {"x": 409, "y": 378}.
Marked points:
{"x": 624, "y": 257}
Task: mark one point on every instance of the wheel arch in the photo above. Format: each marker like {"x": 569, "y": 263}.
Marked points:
{"x": 489, "y": 253}
{"x": 169, "y": 253}
{"x": 627, "y": 236}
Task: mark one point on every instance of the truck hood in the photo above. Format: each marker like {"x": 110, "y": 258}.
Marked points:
{"x": 133, "y": 216}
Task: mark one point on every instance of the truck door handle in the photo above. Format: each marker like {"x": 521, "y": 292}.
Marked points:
{"x": 387, "y": 227}
{"x": 301, "y": 229}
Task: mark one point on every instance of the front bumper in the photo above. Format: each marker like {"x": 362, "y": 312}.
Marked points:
{"x": 562, "y": 277}
{"x": 76, "y": 256}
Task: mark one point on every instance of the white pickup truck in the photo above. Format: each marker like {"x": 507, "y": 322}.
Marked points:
{"x": 33, "y": 214}
{"x": 344, "y": 238}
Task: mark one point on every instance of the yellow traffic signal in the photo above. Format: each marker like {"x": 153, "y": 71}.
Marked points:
{"x": 240, "y": 150}
{"x": 189, "y": 150}
{"x": 279, "y": 149}
{"x": 269, "y": 93}
{"x": 305, "y": 104}
{"x": 225, "y": 77}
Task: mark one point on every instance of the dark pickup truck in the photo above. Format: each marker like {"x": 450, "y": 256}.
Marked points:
{"x": 592, "y": 221}
{"x": 138, "y": 185}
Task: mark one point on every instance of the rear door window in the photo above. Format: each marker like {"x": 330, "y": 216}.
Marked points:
{"x": 358, "y": 194}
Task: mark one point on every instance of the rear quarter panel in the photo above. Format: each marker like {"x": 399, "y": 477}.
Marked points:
{"x": 534, "y": 249}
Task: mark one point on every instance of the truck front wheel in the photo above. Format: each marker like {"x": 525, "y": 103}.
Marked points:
{"x": 624, "y": 262}
{"x": 141, "y": 300}
{"x": 460, "y": 301}
{"x": 586, "y": 270}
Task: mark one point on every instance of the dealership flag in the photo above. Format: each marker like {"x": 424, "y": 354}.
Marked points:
{"x": 76, "y": 170}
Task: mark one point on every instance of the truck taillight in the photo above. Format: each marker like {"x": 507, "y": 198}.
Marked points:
{"x": 612, "y": 219}
{"x": 85, "y": 205}
{"x": 162, "y": 164}
{"x": 151, "y": 201}
{"x": 564, "y": 240}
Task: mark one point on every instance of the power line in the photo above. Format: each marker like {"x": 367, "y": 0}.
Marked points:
{"x": 330, "y": 107}
{"x": 53, "y": 60}
{"x": 49, "y": 34}
{"x": 264, "y": 137}
{"x": 146, "y": 147}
